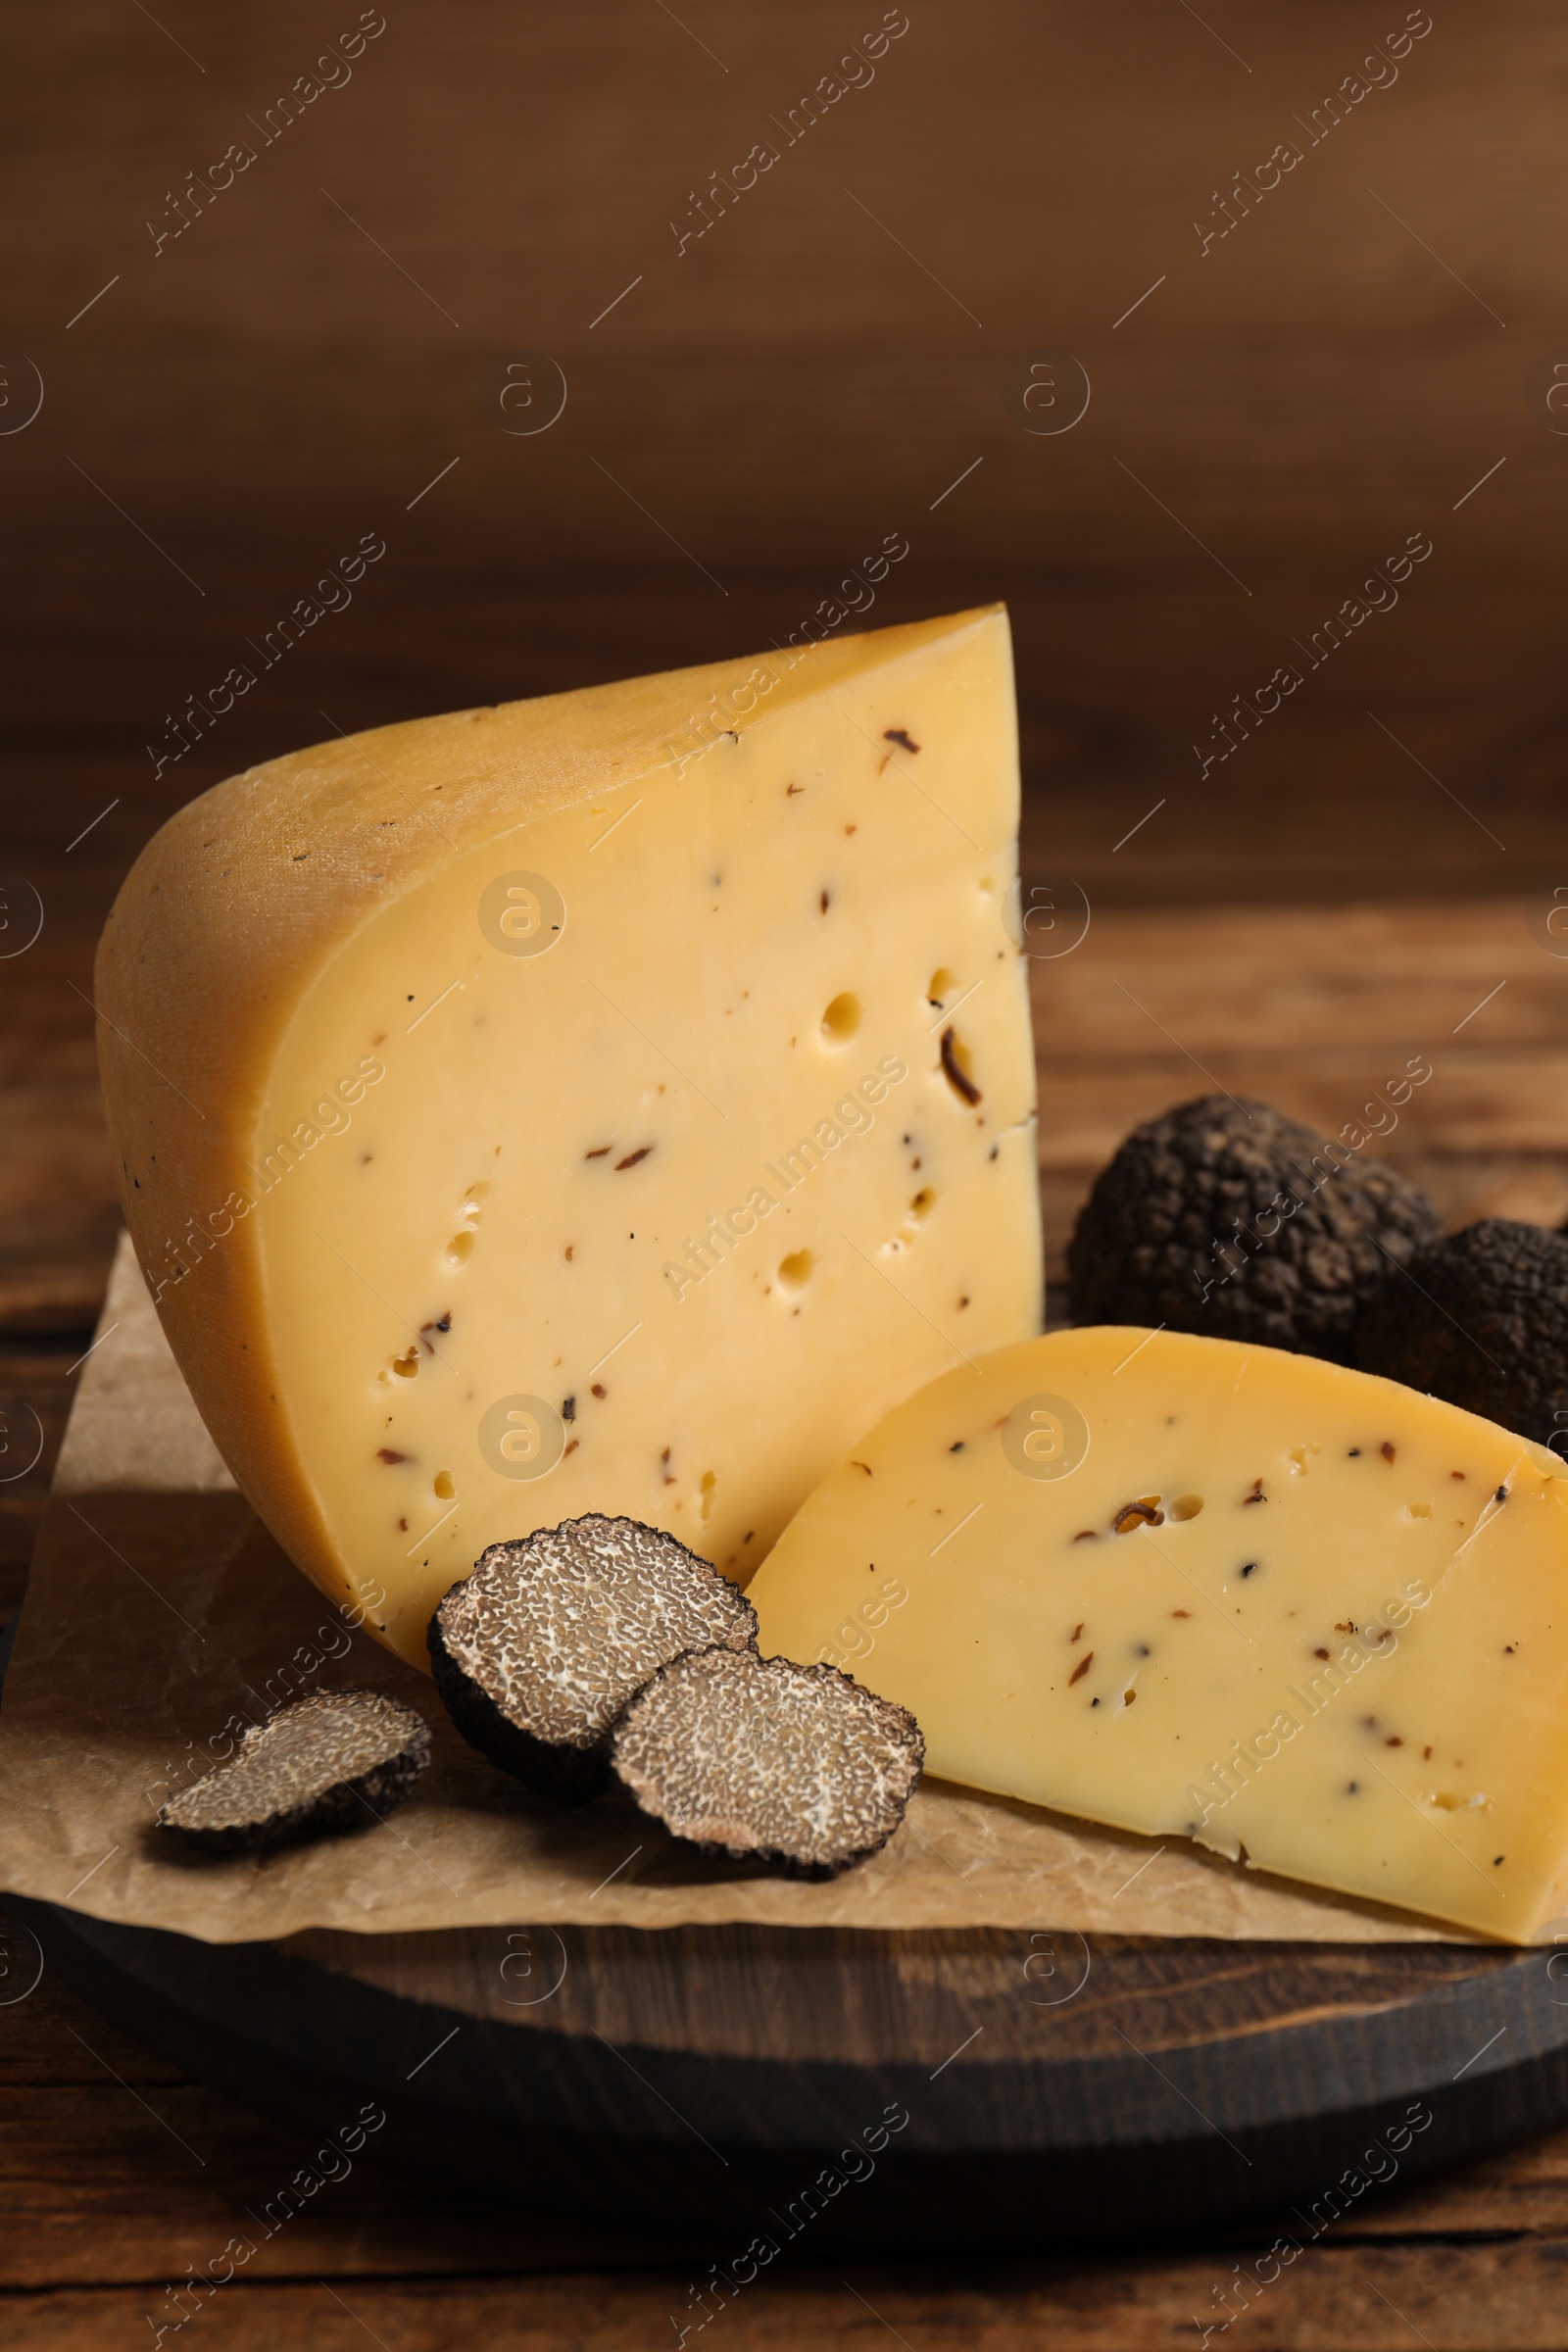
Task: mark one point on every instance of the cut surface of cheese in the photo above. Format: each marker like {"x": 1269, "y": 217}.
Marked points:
{"x": 1189, "y": 1587}
{"x": 600, "y": 1104}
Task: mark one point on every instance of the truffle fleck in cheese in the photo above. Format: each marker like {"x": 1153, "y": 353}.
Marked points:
{"x": 628, "y": 1097}
{"x": 1323, "y": 1625}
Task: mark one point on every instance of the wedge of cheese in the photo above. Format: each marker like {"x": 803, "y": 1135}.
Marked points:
{"x": 1197, "y": 1589}
{"x": 600, "y": 1104}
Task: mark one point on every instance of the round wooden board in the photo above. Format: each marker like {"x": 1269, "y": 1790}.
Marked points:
{"x": 1033, "y": 2089}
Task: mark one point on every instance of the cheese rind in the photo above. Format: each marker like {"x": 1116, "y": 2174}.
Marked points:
{"x": 569, "y": 1106}
{"x": 1189, "y": 1587}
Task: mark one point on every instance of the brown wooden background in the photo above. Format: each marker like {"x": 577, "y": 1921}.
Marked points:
{"x": 1302, "y": 396}
{"x": 848, "y": 342}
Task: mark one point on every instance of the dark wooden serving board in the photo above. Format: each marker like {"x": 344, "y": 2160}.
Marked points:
{"x": 1056, "y": 2090}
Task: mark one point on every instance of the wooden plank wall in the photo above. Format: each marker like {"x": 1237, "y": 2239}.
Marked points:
{"x": 852, "y": 334}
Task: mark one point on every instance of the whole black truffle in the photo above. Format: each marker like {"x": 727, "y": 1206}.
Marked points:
{"x": 1226, "y": 1218}
{"x": 758, "y": 1759}
{"x": 1482, "y": 1321}
{"x": 333, "y": 1761}
{"x": 536, "y": 1652}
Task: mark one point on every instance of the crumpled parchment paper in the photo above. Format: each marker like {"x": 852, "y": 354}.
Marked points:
{"x": 160, "y": 1616}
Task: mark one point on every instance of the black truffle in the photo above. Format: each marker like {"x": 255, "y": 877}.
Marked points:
{"x": 1228, "y": 1219}
{"x": 755, "y": 1758}
{"x": 536, "y": 1652}
{"x": 1482, "y": 1321}
{"x": 333, "y": 1761}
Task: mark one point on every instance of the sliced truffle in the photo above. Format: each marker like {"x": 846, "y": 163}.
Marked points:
{"x": 335, "y": 1760}
{"x": 1228, "y": 1219}
{"x": 1482, "y": 1321}
{"x": 536, "y": 1652}
{"x": 755, "y": 1758}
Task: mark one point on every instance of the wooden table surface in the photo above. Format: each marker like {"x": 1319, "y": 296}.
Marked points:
{"x": 120, "y": 2171}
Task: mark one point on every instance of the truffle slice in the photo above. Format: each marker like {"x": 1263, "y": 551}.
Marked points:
{"x": 333, "y": 1761}
{"x": 1481, "y": 1322}
{"x": 759, "y": 1759}
{"x": 1228, "y": 1219}
{"x": 536, "y": 1652}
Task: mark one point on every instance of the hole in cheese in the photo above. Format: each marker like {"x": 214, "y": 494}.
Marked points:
{"x": 957, "y": 1066}
{"x": 941, "y": 986}
{"x": 445, "y": 1485}
{"x": 709, "y": 1482}
{"x": 795, "y": 1271}
{"x": 458, "y": 1248}
{"x": 1186, "y": 1506}
{"x": 923, "y": 1204}
{"x": 841, "y": 1021}
{"x": 1144, "y": 1512}
{"x": 406, "y": 1365}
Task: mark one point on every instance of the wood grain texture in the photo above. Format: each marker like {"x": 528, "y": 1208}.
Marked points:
{"x": 111, "y": 2195}
{"x": 1354, "y": 2298}
{"x": 1284, "y": 408}
{"x": 1069, "y": 2093}
{"x": 834, "y": 1997}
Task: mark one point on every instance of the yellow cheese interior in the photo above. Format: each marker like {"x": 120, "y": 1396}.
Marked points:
{"x": 1332, "y": 1635}
{"x": 623, "y": 1155}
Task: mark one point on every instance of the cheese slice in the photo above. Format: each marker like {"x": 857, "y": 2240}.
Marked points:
{"x": 1189, "y": 1586}
{"x": 599, "y": 1104}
